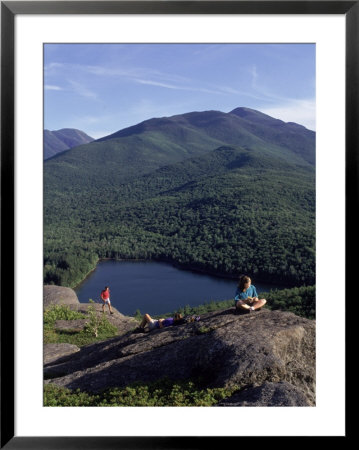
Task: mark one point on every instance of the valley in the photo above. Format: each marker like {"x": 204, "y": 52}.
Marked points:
{"x": 223, "y": 193}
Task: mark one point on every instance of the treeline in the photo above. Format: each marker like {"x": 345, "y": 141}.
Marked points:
{"x": 299, "y": 300}
{"x": 219, "y": 213}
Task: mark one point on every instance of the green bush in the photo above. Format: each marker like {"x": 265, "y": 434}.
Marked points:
{"x": 60, "y": 312}
{"x": 160, "y": 393}
{"x": 204, "y": 330}
{"x": 98, "y": 327}
{"x": 138, "y": 316}
{"x": 301, "y": 300}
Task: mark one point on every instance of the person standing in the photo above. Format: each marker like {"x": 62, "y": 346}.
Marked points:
{"x": 105, "y": 297}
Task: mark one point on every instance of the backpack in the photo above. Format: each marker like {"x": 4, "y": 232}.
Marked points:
{"x": 194, "y": 318}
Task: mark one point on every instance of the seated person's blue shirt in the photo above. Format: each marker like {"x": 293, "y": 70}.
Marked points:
{"x": 250, "y": 292}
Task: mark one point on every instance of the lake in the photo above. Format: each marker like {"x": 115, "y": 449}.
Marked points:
{"x": 155, "y": 287}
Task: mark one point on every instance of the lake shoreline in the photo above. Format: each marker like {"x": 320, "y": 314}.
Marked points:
{"x": 184, "y": 267}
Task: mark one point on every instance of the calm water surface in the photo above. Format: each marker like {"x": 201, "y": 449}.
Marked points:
{"x": 155, "y": 287}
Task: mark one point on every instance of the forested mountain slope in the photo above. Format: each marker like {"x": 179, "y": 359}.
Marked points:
{"x": 158, "y": 142}
{"x": 218, "y": 208}
{"x": 60, "y": 140}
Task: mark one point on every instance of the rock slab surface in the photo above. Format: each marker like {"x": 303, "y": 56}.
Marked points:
{"x": 257, "y": 351}
{"x": 57, "y": 352}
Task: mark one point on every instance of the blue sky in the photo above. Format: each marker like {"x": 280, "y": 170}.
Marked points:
{"x": 102, "y": 88}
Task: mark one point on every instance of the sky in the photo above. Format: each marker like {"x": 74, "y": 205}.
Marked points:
{"x": 103, "y": 88}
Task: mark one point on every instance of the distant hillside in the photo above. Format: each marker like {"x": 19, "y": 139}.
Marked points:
{"x": 58, "y": 141}
{"x": 297, "y": 138}
{"x": 162, "y": 141}
{"x": 222, "y": 193}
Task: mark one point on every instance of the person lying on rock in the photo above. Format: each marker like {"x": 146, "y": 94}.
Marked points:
{"x": 158, "y": 323}
{"x": 246, "y": 297}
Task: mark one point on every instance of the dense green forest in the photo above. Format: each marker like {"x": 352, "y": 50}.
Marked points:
{"x": 224, "y": 209}
{"x": 236, "y": 216}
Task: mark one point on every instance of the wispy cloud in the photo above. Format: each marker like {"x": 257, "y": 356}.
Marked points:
{"x": 254, "y": 74}
{"x": 82, "y": 90}
{"x": 53, "y": 66}
{"x": 49, "y": 87}
{"x": 233, "y": 91}
{"x": 299, "y": 111}
{"x": 192, "y": 88}
{"x": 138, "y": 75}
{"x": 158, "y": 84}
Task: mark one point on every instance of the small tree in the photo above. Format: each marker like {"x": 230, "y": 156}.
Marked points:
{"x": 98, "y": 324}
{"x": 138, "y": 315}
{"x": 94, "y": 320}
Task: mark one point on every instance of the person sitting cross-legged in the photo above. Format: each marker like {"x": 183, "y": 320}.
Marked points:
{"x": 246, "y": 297}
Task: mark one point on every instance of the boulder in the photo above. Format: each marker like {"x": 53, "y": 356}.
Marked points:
{"x": 221, "y": 350}
{"x": 59, "y": 295}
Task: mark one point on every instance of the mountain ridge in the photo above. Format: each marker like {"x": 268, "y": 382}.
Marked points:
{"x": 241, "y": 122}
{"x": 58, "y": 141}
{"x": 146, "y": 146}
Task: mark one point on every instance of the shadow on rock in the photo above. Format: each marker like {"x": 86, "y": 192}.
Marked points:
{"x": 222, "y": 349}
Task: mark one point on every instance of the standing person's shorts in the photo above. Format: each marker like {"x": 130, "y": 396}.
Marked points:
{"x": 153, "y": 324}
{"x": 107, "y": 301}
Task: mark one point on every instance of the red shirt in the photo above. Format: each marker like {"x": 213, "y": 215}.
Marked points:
{"x": 105, "y": 294}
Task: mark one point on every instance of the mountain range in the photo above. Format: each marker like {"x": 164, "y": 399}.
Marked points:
{"x": 60, "y": 140}
{"x": 212, "y": 191}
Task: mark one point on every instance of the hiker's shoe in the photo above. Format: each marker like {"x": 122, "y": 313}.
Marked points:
{"x": 139, "y": 330}
{"x": 111, "y": 312}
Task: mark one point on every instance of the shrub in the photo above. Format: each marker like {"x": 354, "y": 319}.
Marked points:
{"x": 98, "y": 327}
{"x": 300, "y": 301}
{"x": 60, "y": 312}
{"x": 160, "y": 393}
{"x": 138, "y": 315}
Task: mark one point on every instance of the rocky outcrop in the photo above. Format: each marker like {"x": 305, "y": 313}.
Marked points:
{"x": 59, "y": 295}
{"x": 257, "y": 352}
{"x": 268, "y": 394}
{"x": 57, "y": 352}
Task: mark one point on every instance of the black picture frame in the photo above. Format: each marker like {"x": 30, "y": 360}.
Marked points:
{"x": 9, "y": 9}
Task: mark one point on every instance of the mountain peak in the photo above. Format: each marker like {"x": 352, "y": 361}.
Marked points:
{"x": 242, "y": 111}
{"x": 248, "y": 113}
